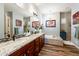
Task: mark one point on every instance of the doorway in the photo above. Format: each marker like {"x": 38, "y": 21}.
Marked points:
{"x": 65, "y": 24}
{"x": 8, "y": 25}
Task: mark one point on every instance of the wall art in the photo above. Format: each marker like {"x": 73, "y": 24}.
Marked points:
{"x": 51, "y": 23}
{"x": 76, "y": 18}
{"x": 18, "y": 22}
{"x": 35, "y": 24}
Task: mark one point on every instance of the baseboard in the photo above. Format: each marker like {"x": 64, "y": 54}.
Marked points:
{"x": 71, "y": 43}
{"x": 76, "y": 46}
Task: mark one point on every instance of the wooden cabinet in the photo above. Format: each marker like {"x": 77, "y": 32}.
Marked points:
{"x": 31, "y": 49}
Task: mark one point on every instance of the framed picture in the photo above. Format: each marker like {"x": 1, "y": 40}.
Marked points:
{"x": 35, "y": 24}
{"x": 18, "y": 22}
{"x": 51, "y": 23}
{"x": 76, "y": 18}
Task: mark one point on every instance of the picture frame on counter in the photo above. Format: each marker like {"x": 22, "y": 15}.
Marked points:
{"x": 35, "y": 24}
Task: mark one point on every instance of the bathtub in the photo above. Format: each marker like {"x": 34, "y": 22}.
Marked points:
{"x": 54, "y": 40}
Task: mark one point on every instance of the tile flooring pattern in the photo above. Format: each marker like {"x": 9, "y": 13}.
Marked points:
{"x": 53, "y": 50}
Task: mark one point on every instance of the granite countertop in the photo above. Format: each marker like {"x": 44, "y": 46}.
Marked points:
{"x": 6, "y": 48}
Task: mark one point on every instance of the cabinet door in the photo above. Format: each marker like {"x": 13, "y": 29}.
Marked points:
{"x": 30, "y": 49}
{"x": 37, "y": 46}
{"x": 42, "y": 38}
{"x": 19, "y": 52}
{"x": 30, "y": 52}
{"x": 8, "y": 24}
{"x": 36, "y": 52}
{"x": 41, "y": 41}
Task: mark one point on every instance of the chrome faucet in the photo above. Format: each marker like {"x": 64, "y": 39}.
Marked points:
{"x": 14, "y": 37}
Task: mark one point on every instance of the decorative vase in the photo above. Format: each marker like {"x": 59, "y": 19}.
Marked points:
{"x": 40, "y": 30}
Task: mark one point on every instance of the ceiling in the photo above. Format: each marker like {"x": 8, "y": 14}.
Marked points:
{"x": 47, "y": 8}
{"x": 24, "y": 10}
{"x": 44, "y": 8}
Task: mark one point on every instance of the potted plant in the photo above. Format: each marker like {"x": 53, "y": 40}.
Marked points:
{"x": 40, "y": 28}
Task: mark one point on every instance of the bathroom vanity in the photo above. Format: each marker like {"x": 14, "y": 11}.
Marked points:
{"x": 25, "y": 46}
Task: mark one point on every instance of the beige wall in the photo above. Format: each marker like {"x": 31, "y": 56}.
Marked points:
{"x": 1, "y": 20}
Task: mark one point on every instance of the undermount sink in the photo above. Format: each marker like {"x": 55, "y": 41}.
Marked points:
{"x": 4, "y": 40}
{"x": 11, "y": 42}
{"x": 6, "y": 43}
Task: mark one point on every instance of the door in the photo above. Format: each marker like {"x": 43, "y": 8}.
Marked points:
{"x": 8, "y": 25}
{"x": 65, "y": 24}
